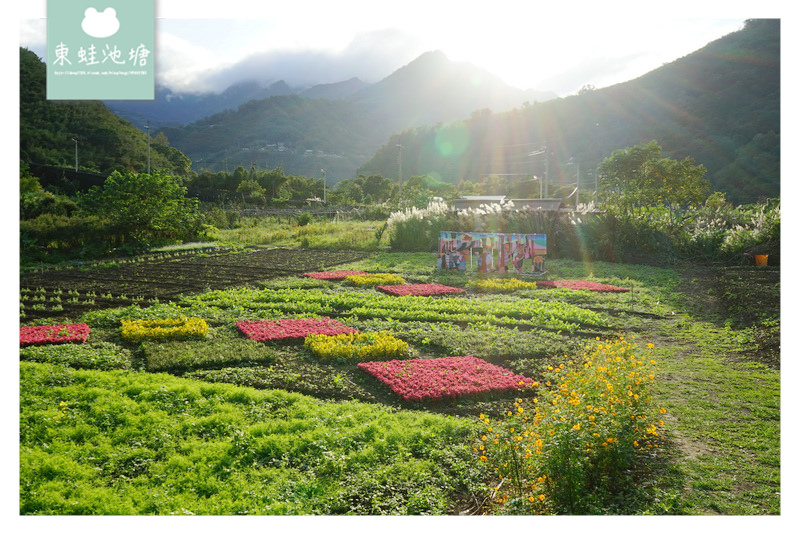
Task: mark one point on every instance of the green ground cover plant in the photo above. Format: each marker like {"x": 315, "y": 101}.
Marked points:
{"x": 205, "y": 437}
{"x": 182, "y": 356}
{"x": 134, "y": 443}
{"x": 370, "y": 304}
{"x": 95, "y": 355}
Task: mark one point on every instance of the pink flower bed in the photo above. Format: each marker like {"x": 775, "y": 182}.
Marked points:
{"x": 291, "y": 328}
{"x": 420, "y": 289}
{"x": 334, "y": 274}
{"x": 581, "y": 284}
{"x": 446, "y": 377}
{"x": 59, "y": 333}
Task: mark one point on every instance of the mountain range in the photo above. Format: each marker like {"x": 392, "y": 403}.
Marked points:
{"x": 453, "y": 121}
{"x": 719, "y": 105}
{"x": 472, "y": 88}
{"x": 304, "y": 135}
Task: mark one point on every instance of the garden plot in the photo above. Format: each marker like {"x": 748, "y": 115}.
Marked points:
{"x": 68, "y": 292}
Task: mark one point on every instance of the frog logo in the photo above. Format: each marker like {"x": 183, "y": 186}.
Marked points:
{"x": 100, "y": 24}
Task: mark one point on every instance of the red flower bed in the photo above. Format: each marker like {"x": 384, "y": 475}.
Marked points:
{"x": 581, "y": 284}
{"x": 446, "y": 377}
{"x": 334, "y": 274}
{"x": 420, "y": 289}
{"x": 59, "y": 333}
{"x": 291, "y": 328}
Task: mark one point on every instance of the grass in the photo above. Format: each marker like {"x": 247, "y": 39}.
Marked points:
{"x": 347, "y": 445}
{"x": 726, "y": 411}
{"x": 134, "y": 443}
{"x": 319, "y": 234}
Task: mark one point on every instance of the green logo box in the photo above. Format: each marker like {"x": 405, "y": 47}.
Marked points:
{"x": 100, "y": 49}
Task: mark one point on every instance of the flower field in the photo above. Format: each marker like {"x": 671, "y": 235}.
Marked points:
{"x": 501, "y": 285}
{"x": 582, "y": 285}
{"x": 291, "y": 328}
{"x": 447, "y": 377}
{"x": 421, "y": 289}
{"x": 334, "y": 274}
{"x": 371, "y": 280}
{"x": 160, "y": 329}
{"x": 357, "y": 346}
{"x": 55, "y": 334}
{"x": 294, "y": 393}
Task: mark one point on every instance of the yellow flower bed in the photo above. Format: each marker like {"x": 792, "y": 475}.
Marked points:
{"x": 590, "y": 419}
{"x": 357, "y": 346}
{"x": 168, "y": 328}
{"x": 371, "y": 280}
{"x": 501, "y": 285}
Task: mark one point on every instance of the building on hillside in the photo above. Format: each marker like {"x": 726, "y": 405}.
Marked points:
{"x": 544, "y": 204}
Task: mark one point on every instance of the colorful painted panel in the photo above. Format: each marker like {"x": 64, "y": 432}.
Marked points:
{"x": 492, "y": 252}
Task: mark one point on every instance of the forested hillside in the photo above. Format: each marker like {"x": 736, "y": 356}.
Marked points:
{"x": 303, "y": 135}
{"x": 105, "y": 142}
{"x": 719, "y": 105}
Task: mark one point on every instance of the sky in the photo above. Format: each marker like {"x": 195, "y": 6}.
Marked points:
{"x": 207, "y": 46}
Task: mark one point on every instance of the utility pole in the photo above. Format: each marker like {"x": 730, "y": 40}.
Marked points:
{"x": 546, "y": 167}
{"x": 324, "y": 187}
{"x": 546, "y": 173}
{"x": 400, "y": 163}
{"x": 147, "y": 127}
{"x": 76, "y": 153}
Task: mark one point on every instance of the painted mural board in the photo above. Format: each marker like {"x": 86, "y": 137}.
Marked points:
{"x": 492, "y": 252}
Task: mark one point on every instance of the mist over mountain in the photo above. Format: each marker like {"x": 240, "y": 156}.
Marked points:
{"x": 335, "y": 91}
{"x": 171, "y": 108}
{"x": 433, "y": 89}
{"x": 429, "y": 89}
{"x": 349, "y": 119}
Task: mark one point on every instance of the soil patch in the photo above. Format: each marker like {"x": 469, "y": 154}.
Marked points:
{"x": 70, "y": 292}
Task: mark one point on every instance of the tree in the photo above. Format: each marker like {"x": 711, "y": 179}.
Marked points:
{"x": 144, "y": 209}
{"x": 640, "y": 176}
{"x": 251, "y": 190}
{"x": 272, "y": 181}
{"x": 375, "y": 186}
{"x": 347, "y": 192}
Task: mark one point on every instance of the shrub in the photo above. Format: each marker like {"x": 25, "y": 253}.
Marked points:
{"x": 303, "y": 219}
{"x": 163, "y": 329}
{"x": 359, "y": 346}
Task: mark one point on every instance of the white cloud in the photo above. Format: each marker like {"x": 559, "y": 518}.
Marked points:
{"x": 209, "y": 45}
{"x": 183, "y": 65}
{"x": 32, "y": 35}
